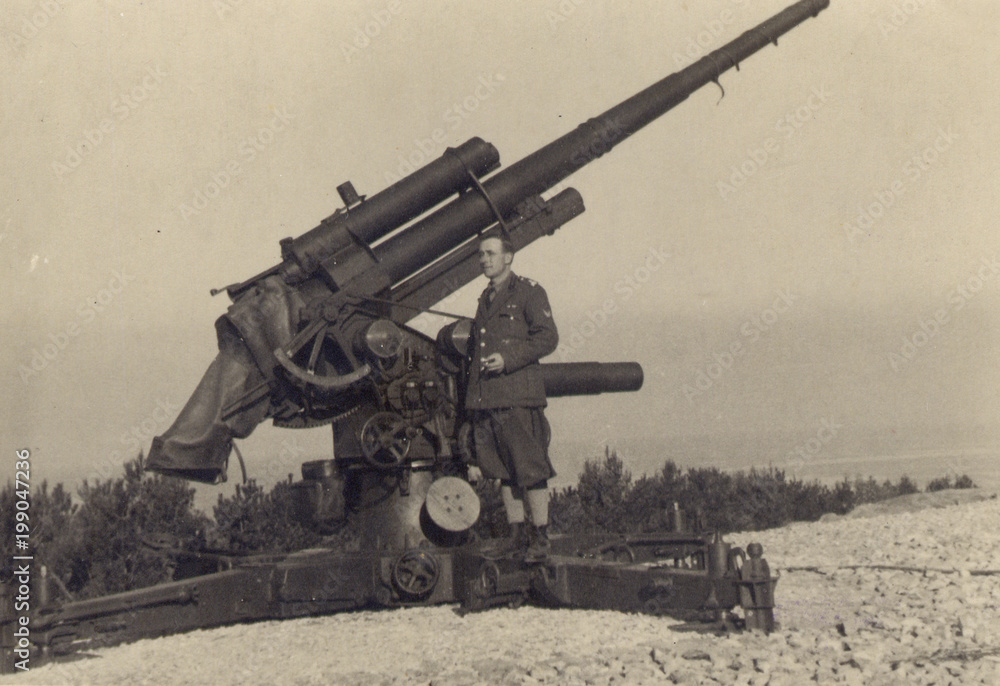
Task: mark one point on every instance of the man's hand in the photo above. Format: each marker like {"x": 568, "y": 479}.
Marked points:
{"x": 493, "y": 364}
{"x": 475, "y": 474}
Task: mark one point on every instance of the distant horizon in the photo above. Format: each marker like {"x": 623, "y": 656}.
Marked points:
{"x": 913, "y": 456}
{"x": 749, "y": 416}
{"x": 978, "y": 458}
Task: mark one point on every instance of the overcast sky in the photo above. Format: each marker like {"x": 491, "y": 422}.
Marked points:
{"x": 830, "y": 222}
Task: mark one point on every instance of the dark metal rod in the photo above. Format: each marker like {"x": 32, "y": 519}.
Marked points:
{"x": 590, "y": 378}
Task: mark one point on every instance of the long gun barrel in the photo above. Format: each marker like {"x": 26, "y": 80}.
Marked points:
{"x": 590, "y": 378}
{"x": 302, "y": 343}
{"x": 422, "y": 243}
{"x": 412, "y": 249}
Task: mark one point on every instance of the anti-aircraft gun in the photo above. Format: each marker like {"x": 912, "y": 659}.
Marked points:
{"x": 322, "y": 338}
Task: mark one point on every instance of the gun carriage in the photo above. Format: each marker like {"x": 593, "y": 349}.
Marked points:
{"x": 322, "y": 338}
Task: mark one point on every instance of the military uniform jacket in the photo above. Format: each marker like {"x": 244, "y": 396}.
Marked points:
{"x": 518, "y": 324}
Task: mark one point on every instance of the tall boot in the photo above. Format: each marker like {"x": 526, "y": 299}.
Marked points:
{"x": 518, "y": 537}
{"x": 517, "y": 542}
{"x": 539, "y": 546}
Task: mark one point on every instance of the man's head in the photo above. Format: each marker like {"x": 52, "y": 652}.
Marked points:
{"x": 495, "y": 257}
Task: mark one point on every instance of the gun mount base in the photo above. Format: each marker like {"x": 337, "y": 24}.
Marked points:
{"x": 660, "y": 575}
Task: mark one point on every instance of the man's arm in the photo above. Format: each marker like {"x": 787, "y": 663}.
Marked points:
{"x": 542, "y": 335}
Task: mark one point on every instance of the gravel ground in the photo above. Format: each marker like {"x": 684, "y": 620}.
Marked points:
{"x": 837, "y": 625}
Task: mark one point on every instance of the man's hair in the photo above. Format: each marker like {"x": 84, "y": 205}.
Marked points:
{"x": 505, "y": 243}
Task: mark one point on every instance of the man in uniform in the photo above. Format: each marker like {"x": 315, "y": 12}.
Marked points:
{"x": 505, "y": 397}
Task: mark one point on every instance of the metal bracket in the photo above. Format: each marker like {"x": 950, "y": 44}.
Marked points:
{"x": 504, "y": 229}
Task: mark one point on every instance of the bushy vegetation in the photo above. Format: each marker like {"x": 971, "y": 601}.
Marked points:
{"x": 945, "y": 482}
{"x": 107, "y": 540}
{"x": 110, "y": 540}
{"x": 96, "y": 547}
{"x": 607, "y": 499}
{"x": 252, "y": 521}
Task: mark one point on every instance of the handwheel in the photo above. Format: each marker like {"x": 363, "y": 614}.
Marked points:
{"x": 385, "y": 440}
{"x": 415, "y": 574}
{"x": 616, "y": 552}
{"x": 324, "y": 340}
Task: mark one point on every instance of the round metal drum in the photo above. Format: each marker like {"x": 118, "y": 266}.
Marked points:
{"x": 452, "y": 504}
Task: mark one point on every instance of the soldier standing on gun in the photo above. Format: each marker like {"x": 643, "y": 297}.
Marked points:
{"x": 512, "y": 330}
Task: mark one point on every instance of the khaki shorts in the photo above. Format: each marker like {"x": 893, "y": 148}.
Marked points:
{"x": 512, "y": 444}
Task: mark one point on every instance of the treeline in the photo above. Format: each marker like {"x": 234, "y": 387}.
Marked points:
{"x": 113, "y": 536}
{"x": 606, "y": 499}
{"x": 116, "y": 534}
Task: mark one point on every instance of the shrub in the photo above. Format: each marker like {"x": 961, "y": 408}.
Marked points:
{"x": 252, "y": 521}
{"x": 964, "y": 481}
{"x": 603, "y": 491}
{"x": 906, "y": 486}
{"x": 940, "y": 484}
{"x": 106, "y": 534}
{"x": 608, "y": 501}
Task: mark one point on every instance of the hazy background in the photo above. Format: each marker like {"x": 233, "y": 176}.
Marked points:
{"x": 302, "y": 98}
